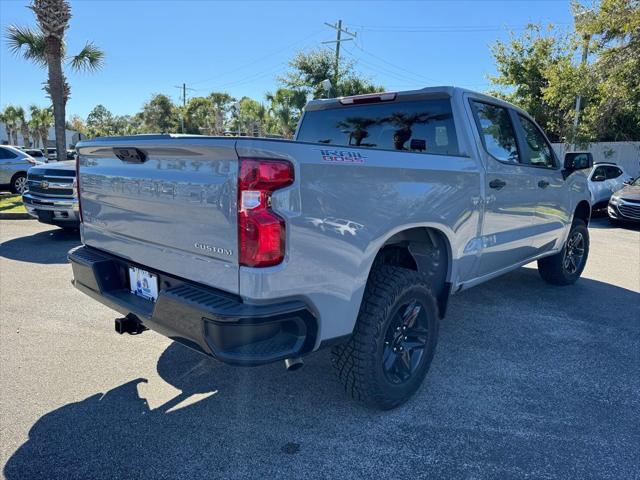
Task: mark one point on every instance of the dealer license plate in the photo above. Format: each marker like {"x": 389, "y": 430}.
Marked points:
{"x": 143, "y": 283}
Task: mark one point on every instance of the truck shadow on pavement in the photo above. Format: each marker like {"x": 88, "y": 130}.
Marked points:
{"x": 48, "y": 247}
{"x": 527, "y": 379}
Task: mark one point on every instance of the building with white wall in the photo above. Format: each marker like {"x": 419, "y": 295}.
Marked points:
{"x": 625, "y": 154}
{"x": 73, "y": 137}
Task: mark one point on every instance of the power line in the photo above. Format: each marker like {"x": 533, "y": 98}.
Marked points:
{"x": 260, "y": 59}
{"x": 444, "y": 28}
{"x": 416, "y": 75}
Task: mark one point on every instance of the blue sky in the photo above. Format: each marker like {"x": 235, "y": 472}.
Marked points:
{"x": 241, "y": 47}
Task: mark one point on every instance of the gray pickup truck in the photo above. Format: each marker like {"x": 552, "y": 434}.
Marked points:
{"x": 354, "y": 235}
{"x": 50, "y": 194}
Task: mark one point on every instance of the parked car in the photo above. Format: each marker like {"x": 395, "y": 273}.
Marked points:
{"x": 604, "y": 179}
{"x": 36, "y": 154}
{"x": 624, "y": 205}
{"x": 52, "y": 154}
{"x": 51, "y": 194}
{"x": 14, "y": 164}
{"x": 215, "y": 242}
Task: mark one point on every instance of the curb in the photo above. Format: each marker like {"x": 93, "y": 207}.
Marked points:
{"x": 15, "y": 216}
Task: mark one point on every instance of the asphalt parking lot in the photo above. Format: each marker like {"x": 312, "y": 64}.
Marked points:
{"x": 529, "y": 380}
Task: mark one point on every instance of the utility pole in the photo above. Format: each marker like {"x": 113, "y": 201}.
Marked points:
{"x": 583, "y": 63}
{"x": 339, "y": 31}
{"x": 184, "y": 102}
{"x": 581, "y": 17}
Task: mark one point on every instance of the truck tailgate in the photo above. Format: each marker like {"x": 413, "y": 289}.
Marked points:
{"x": 167, "y": 203}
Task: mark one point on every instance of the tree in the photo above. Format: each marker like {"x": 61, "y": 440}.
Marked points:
{"x": 250, "y": 118}
{"x": 613, "y": 114}
{"x": 309, "y": 69}
{"x": 23, "y": 126}
{"x": 538, "y": 71}
{"x": 77, "y": 124}
{"x": 45, "y": 46}
{"x": 40, "y": 122}
{"x": 524, "y": 65}
{"x": 200, "y": 116}
{"x": 223, "y": 102}
{"x": 285, "y": 109}
{"x": 159, "y": 115}
{"x": 100, "y": 122}
{"x": 11, "y": 121}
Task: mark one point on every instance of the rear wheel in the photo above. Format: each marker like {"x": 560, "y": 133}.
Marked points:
{"x": 566, "y": 266}
{"x": 19, "y": 183}
{"x": 394, "y": 340}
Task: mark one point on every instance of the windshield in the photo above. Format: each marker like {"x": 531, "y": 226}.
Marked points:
{"x": 424, "y": 126}
{"x": 636, "y": 182}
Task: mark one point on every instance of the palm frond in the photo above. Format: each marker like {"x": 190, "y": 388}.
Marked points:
{"x": 27, "y": 42}
{"x": 90, "y": 58}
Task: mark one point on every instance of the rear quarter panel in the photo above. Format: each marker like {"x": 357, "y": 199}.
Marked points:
{"x": 343, "y": 206}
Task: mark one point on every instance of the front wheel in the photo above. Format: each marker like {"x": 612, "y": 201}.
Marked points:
{"x": 566, "y": 266}
{"x": 19, "y": 183}
{"x": 390, "y": 351}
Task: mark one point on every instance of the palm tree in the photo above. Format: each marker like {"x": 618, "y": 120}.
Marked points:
{"x": 10, "y": 120}
{"x": 41, "y": 121}
{"x": 23, "y": 125}
{"x": 34, "y": 125}
{"x": 45, "y": 46}
{"x": 286, "y": 107}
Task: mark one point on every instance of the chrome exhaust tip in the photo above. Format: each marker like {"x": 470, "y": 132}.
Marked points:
{"x": 293, "y": 364}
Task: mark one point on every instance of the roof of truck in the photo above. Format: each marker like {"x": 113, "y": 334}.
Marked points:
{"x": 444, "y": 90}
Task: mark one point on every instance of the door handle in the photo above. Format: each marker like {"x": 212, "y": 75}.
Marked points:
{"x": 543, "y": 184}
{"x": 497, "y": 184}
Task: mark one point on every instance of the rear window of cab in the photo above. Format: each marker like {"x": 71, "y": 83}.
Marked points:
{"x": 424, "y": 126}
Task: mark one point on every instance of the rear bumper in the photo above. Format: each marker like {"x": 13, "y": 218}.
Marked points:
{"x": 211, "y": 321}
{"x": 53, "y": 211}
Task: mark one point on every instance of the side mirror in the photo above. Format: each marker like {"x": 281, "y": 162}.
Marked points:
{"x": 576, "y": 161}
{"x": 628, "y": 182}
{"x": 598, "y": 178}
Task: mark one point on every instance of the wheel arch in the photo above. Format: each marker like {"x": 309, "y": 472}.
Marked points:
{"x": 426, "y": 249}
{"x": 583, "y": 211}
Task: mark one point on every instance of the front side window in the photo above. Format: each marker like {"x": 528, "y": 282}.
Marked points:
{"x": 424, "y": 126}
{"x": 538, "y": 148}
{"x": 599, "y": 174}
{"x": 497, "y": 132}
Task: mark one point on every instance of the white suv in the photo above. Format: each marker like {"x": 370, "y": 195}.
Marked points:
{"x": 604, "y": 180}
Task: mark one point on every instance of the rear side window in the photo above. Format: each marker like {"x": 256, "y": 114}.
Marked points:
{"x": 424, "y": 126}
{"x": 613, "y": 172}
{"x": 5, "y": 154}
{"x": 497, "y": 132}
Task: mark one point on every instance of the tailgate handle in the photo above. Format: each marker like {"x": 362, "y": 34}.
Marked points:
{"x": 130, "y": 155}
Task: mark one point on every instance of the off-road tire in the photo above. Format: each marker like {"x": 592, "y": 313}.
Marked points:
{"x": 554, "y": 269}
{"x": 359, "y": 361}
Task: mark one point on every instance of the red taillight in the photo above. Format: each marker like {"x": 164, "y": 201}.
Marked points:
{"x": 261, "y": 233}
{"x": 78, "y": 187}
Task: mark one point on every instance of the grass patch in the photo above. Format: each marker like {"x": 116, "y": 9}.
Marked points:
{"x": 11, "y": 204}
